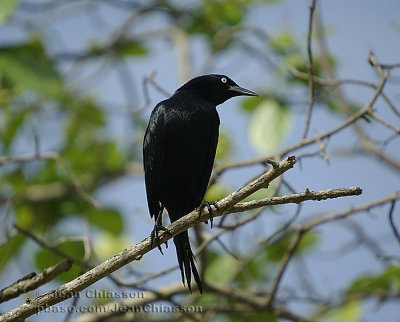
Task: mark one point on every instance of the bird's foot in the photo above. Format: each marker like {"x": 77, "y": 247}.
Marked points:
{"x": 155, "y": 236}
{"x": 208, "y": 204}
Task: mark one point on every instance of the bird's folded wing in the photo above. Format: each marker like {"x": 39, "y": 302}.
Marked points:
{"x": 153, "y": 158}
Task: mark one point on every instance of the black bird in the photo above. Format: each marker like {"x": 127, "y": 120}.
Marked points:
{"x": 178, "y": 153}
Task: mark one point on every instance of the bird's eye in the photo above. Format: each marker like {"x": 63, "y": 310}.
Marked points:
{"x": 224, "y": 80}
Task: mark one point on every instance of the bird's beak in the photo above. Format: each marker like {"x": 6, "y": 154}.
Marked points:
{"x": 242, "y": 91}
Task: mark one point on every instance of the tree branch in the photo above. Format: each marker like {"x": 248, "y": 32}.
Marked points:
{"x": 285, "y": 261}
{"x": 316, "y": 139}
{"x": 392, "y": 225}
{"x": 136, "y": 252}
{"x": 33, "y": 281}
{"x": 321, "y": 220}
{"x": 114, "y": 309}
{"x": 297, "y": 198}
{"x": 54, "y": 249}
{"x": 311, "y": 99}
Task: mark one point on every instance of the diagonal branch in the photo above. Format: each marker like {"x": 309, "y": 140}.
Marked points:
{"x": 136, "y": 252}
{"x": 394, "y": 229}
{"x": 285, "y": 261}
{"x": 316, "y": 139}
{"x": 33, "y": 281}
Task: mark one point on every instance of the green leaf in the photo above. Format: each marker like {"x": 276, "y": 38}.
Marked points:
{"x": 250, "y": 104}
{"x": 109, "y": 220}
{"x": 45, "y": 258}
{"x": 206, "y": 299}
{"x": 25, "y": 215}
{"x": 107, "y": 245}
{"x": 255, "y": 270}
{"x": 6, "y": 9}
{"x": 12, "y": 121}
{"x": 382, "y": 284}
{"x": 269, "y": 125}
{"x": 222, "y": 269}
{"x": 308, "y": 240}
{"x": 132, "y": 48}
{"x": 28, "y": 67}
{"x": 282, "y": 42}
{"x": 45, "y": 214}
{"x": 278, "y": 248}
{"x": 256, "y": 317}
{"x": 217, "y": 192}
{"x": 224, "y": 147}
{"x": 10, "y": 249}
{"x": 262, "y": 193}
{"x": 348, "y": 312}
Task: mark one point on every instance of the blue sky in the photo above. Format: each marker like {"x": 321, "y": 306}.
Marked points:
{"x": 354, "y": 28}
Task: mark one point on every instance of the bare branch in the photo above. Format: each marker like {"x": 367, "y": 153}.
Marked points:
{"x": 353, "y": 210}
{"x": 394, "y": 229}
{"x": 115, "y": 308}
{"x": 303, "y": 143}
{"x": 33, "y": 281}
{"x": 338, "y": 82}
{"x": 297, "y": 198}
{"x": 55, "y": 250}
{"x": 137, "y": 251}
{"x": 257, "y": 303}
{"x": 374, "y": 151}
{"x": 311, "y": 99}
{"x": 286, "y": 258}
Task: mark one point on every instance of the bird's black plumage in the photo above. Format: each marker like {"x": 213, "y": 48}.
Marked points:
{"x": 178, "y": 153}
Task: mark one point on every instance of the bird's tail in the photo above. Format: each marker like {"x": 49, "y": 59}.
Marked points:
{"x": 186, "y": 260}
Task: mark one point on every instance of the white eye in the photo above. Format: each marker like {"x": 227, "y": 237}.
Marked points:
{"x": 224, "y": 80}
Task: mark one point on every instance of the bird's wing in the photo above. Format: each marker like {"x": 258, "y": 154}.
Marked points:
{"x": 207, "y": 160}
{"x": 212, "y": 148}
{"x": 153, "y": 158}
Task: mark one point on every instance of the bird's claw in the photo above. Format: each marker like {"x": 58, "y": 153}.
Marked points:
{"x": 154, "y": 236}
{"x": 208, "y": 204}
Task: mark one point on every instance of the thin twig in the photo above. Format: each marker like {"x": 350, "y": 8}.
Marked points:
{"x": 33, "y": 281}
{"x": 394, "y": 229}
{"x": 286, "y": 258}
{"x": 53, "y": 249}
{"x": 303, "y": 143}
{"x": 344, "y": 214}
{"x": 311, "y": 99}
{"x": 297, "y": 198}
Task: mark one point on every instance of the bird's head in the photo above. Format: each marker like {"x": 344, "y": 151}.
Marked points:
{"x": 216, "y": 88}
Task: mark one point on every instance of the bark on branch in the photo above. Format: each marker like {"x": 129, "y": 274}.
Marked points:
{"x": 32, "y": 281}
{"x": 136, "y": 252}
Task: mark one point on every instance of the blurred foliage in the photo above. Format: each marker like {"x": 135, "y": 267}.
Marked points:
{"x": 108, "y": 244}
{"x": 45, "y": 258}
{"x": 383, "y": 285}
{"x": 32, "y": 87}
{"x": 217, "y": 191}
{"x": 26, "y": 67}
{"x": 270, "y": 123}
{"x": 221, "y": 268}
{"x": 6, "y": 9}
{"x": 348, "y": 312}
{"x": 10, "y": 249}
{"x": 224, "y": 148}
